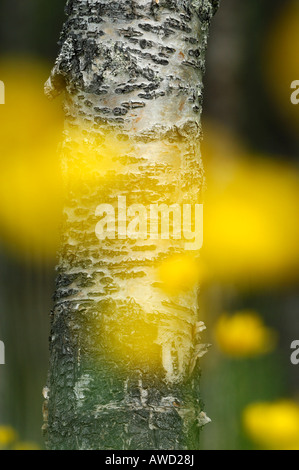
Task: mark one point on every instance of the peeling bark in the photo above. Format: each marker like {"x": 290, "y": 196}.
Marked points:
{"x": 124, "y": 368}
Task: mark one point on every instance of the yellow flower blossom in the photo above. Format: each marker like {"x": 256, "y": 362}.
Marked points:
{"x": 30, "y": 183}
{"x": 251, "y": 227}
{"x": 273, "y": 425}
{"x": 244, "y": 335}
{"x": 180, "y": 273}
{"x": 7, "y": 436}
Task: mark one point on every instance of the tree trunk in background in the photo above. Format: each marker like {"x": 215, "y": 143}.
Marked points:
{"x": 123, "y": 371}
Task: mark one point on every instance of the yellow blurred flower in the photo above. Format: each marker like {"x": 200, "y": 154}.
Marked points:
{"x": 251, "y": 227}
{"x": 86, "y": 160}
{"x": 180, "y": 273}
{"x": 7, "y": 436}
{"x": 8, "y": 440}
{"x": 244, "y": 335}
{"x": 273, "y": 425}
{"x": 30, "y": 180}
{"x": 26, "y": 446}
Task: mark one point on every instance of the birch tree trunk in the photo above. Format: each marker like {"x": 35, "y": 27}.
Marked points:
{"x": 123, "y": 367}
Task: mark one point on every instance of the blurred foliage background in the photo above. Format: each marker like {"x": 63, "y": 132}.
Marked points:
{"x": 250, "y": 262}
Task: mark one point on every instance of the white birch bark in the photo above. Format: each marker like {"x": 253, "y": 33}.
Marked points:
{"x": 124, "y": 371}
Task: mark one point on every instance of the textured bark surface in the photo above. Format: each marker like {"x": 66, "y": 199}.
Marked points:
{"x": 124, "y": 372}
